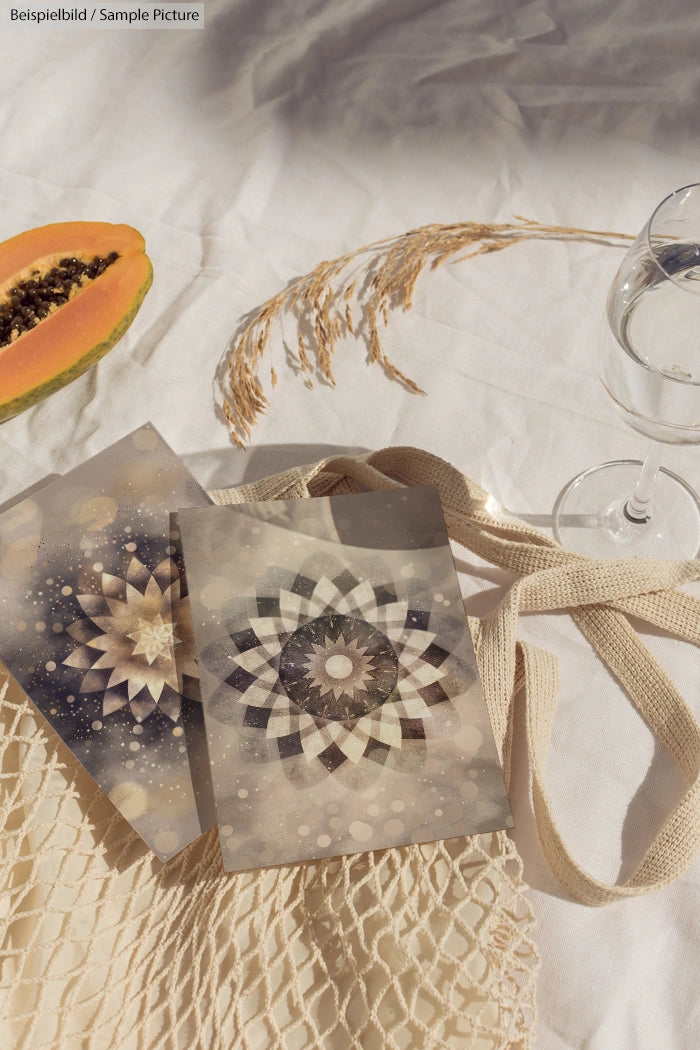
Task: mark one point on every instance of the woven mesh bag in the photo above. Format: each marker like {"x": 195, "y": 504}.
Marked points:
{"x": 428, "y": 946}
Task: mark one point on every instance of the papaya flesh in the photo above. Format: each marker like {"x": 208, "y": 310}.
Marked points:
{"x": 68, "y": 292}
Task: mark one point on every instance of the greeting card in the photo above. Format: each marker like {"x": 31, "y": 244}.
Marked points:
{"x": 95, "y": 626}
{"x": 341, "y": 697}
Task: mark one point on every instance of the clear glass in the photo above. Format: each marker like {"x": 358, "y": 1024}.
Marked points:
{"x": 649, "y": 364}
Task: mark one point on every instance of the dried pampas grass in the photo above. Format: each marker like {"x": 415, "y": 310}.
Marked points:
{"x": 353, "y": 295}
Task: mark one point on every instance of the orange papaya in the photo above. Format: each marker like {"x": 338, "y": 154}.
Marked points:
{"x": 68, "y": 292}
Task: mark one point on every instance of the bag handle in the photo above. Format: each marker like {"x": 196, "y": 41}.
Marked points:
{"x": 600, "y": 595}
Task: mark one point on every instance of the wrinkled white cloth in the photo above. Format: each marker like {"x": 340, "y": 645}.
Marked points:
{"x": 280, "y": 134}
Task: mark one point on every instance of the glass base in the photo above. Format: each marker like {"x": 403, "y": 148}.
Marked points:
{"x": 589, "y": 515}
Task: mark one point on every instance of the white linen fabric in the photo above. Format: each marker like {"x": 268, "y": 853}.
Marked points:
{"x": 280, "y": 134}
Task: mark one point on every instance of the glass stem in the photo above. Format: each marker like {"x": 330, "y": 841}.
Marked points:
{"x": 638, "y": 506}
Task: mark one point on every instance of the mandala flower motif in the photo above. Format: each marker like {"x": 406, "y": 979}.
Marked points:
{"x": 135, "y": 642}
{"x": 331, "y": 666}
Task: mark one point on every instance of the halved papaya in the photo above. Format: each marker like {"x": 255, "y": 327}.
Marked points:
{"x": 68, "y": 292}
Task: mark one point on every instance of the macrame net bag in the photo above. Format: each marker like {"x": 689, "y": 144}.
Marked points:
{"x": 421, "y": 947}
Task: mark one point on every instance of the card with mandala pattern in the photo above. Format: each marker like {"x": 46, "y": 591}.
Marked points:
{"x": 95, "y": 626}
{"x": 341, "y": 697}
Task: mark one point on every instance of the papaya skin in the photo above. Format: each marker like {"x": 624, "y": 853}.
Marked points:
{"x": 64, "y": 344}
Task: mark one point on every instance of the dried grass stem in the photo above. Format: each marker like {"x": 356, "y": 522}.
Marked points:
{"x": 353, "y": 294}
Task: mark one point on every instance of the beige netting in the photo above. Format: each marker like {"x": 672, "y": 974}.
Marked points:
{"x": 105, "y": 947}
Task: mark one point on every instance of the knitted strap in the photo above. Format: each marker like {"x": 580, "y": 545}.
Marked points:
{"x": 599, "y": 595}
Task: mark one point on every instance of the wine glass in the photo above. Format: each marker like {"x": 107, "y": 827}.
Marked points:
{"x": 649, "y": 364}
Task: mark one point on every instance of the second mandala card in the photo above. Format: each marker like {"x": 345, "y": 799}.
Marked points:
{"x": 342, "y": 704}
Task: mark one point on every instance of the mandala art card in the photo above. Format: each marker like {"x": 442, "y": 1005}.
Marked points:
{"x": 342, "y": 702}
{"x": 95, "y": 626}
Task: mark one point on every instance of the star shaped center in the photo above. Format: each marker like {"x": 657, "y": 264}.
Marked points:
{"x": 154, "y": 638}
